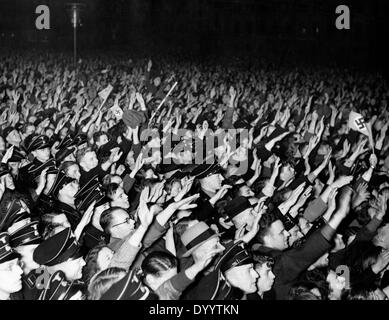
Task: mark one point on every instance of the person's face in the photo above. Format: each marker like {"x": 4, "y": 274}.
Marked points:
{"x": 278, "y": 236}
{"x": 295, "y": 235}
{"x": 9, "y": 182}
{"x": 335, "y": 282}
{"x": 73, "y": 269}
{"x": 30, "y": 129}
{"x": 246, "y": 217}
{"x": 102, "y": 140}
{"x": 91, "y": 159}
{"x": 130, "y": 159}
{"x": 14, "y": 166}
{"x": 74, "y": 172}
{"x": 382, "y": 236}
{"x": 2, "y": 144}
{"x": 121, "y": 199}
{"x": 287, "y": 173}
{"x": 104, "y": 258}
{"x": 26, "y": 260}
{"x": 64, "y": 132}
{"x": 14, "y": 137}
{"x": 304, "y": 225}
{"x": 176, "y": 188}
{"x": 243, "y": 277}
{"x": 62, "y": 220}
{"x": 266, "y": 277}
{"x": 42, "y": 155}
{"x": 122, "y": 225}
{"x": 245, "y": 191}
{"x": 49, "y": 133}
{"x": 157, "y": 81}
{"x": 70, "y": 157}
{"x": 10, "y": 277}
{"x": 70, "y": 189}
{"x": 214, "y": 181}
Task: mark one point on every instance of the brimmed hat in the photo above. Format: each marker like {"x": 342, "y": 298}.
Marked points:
{"x": 129, "y": 288}
{"x": 24, "y": 232}
{"x": 15, "y": 213}
{"x": 205, "y": 170}
{"x": 60, "y": 180}
{"x": 237, "y": 206}
{"x": 63, "y": 153}
{"x": 35, "y": 171}
{"x": 17, "y": 155}
{"x": 37, "y": 142}
{"x": 235, "y": 256}
{"x": 59, "y": 248}
{"x": 89, "y": 193}
{"x": 195, "y": 236}
{"x": 6, "y": 252}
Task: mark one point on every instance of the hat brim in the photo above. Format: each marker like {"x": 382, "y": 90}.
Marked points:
{"x": 189, "y": 252}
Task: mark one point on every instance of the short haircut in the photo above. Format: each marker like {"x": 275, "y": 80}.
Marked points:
{"x": 82, "y": 152}
{"x": 157, "y": 262}
{"x": 261, "y": 259}
{"x": 111, "y": 190}
{"x": 103, "y": 281}
{"x": 264, "y": 226}
{"x": 66, "y": 165}
{"x": 107, "y": 217}
{"x": 97, "y": 135}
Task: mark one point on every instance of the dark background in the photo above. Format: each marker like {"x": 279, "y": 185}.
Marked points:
{"x": 286, "y": 30}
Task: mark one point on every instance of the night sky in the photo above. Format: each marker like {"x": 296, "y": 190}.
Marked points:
{"x": 303, "y": 28}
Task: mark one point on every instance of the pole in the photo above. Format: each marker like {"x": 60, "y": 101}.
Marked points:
{"x": 75, "y": 46}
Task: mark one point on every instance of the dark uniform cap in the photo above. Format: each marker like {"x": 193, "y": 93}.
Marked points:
{"x": 4, "y": 169}
{"x": 205, "y": 170}
{"x": 63, "y": 153}
{"x": 66, "y": 142}
{"x": 129, "y": 288}
{"x": 6, "y": 252}
{"x": 59, "y": 288}
{"x": 17, "y": 155}
{"x": 89, "y": 193}
{"x": 59, "y": 248}
{"x": 7, "y": 131}
{"x": 36, "y": 170}
{"x": 16, "y": 212}
{"x": 235, "y": 256}
{"x": 236, "y": 206}
{"x": 60, "y": 180}
{"x": 23, "y": 233}
{"x": 37, "y": 142}
{"x": 80, "y": 139}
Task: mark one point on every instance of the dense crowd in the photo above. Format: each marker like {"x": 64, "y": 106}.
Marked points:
{"x": 191, "y": 180}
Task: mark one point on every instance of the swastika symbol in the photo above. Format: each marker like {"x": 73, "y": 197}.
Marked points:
{"x": 360, "y": 123}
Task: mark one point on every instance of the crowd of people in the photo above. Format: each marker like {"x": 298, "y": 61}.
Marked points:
{"x": 191, "y": 180}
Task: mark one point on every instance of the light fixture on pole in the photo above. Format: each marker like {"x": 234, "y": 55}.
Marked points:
{"x": 74, "y": 10}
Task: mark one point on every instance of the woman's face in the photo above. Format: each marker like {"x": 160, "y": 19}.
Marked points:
{"x": 104, "y": 258}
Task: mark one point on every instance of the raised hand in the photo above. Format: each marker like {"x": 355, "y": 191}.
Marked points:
{"x": 8, "y": 154}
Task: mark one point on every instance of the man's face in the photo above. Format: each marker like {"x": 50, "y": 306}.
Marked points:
{"x": 278, "y": 236}
{"x": 74, "y": 172}
{"x": 246, "y": 217}
{"x": 295, "y": 235}
{"x": 14, "y": 137}
{"x": 214, "y": 181}
{"x": 103, "y": 139}
{"x": 245, "y": 191}
{"x": 122, "y": 225}
{"x": 121, "y": 199}
{"x": 26, "y": 259}
{"x": 336, "y": 283}
{"x": 42, "y": 155}
{"x": 382, "y": 236}
{"x": 243, "y": 277}
{"x": 266, "y": 277}
{"x": 91, "y": 159}
{"x": 287, "y": 172}
{"x": 70, "y": 189}
{"x": 73, "y": 269}
{"x": 10, "y": 277}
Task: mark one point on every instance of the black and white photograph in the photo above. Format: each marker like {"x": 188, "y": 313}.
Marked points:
{"x": 205, "y": 152}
